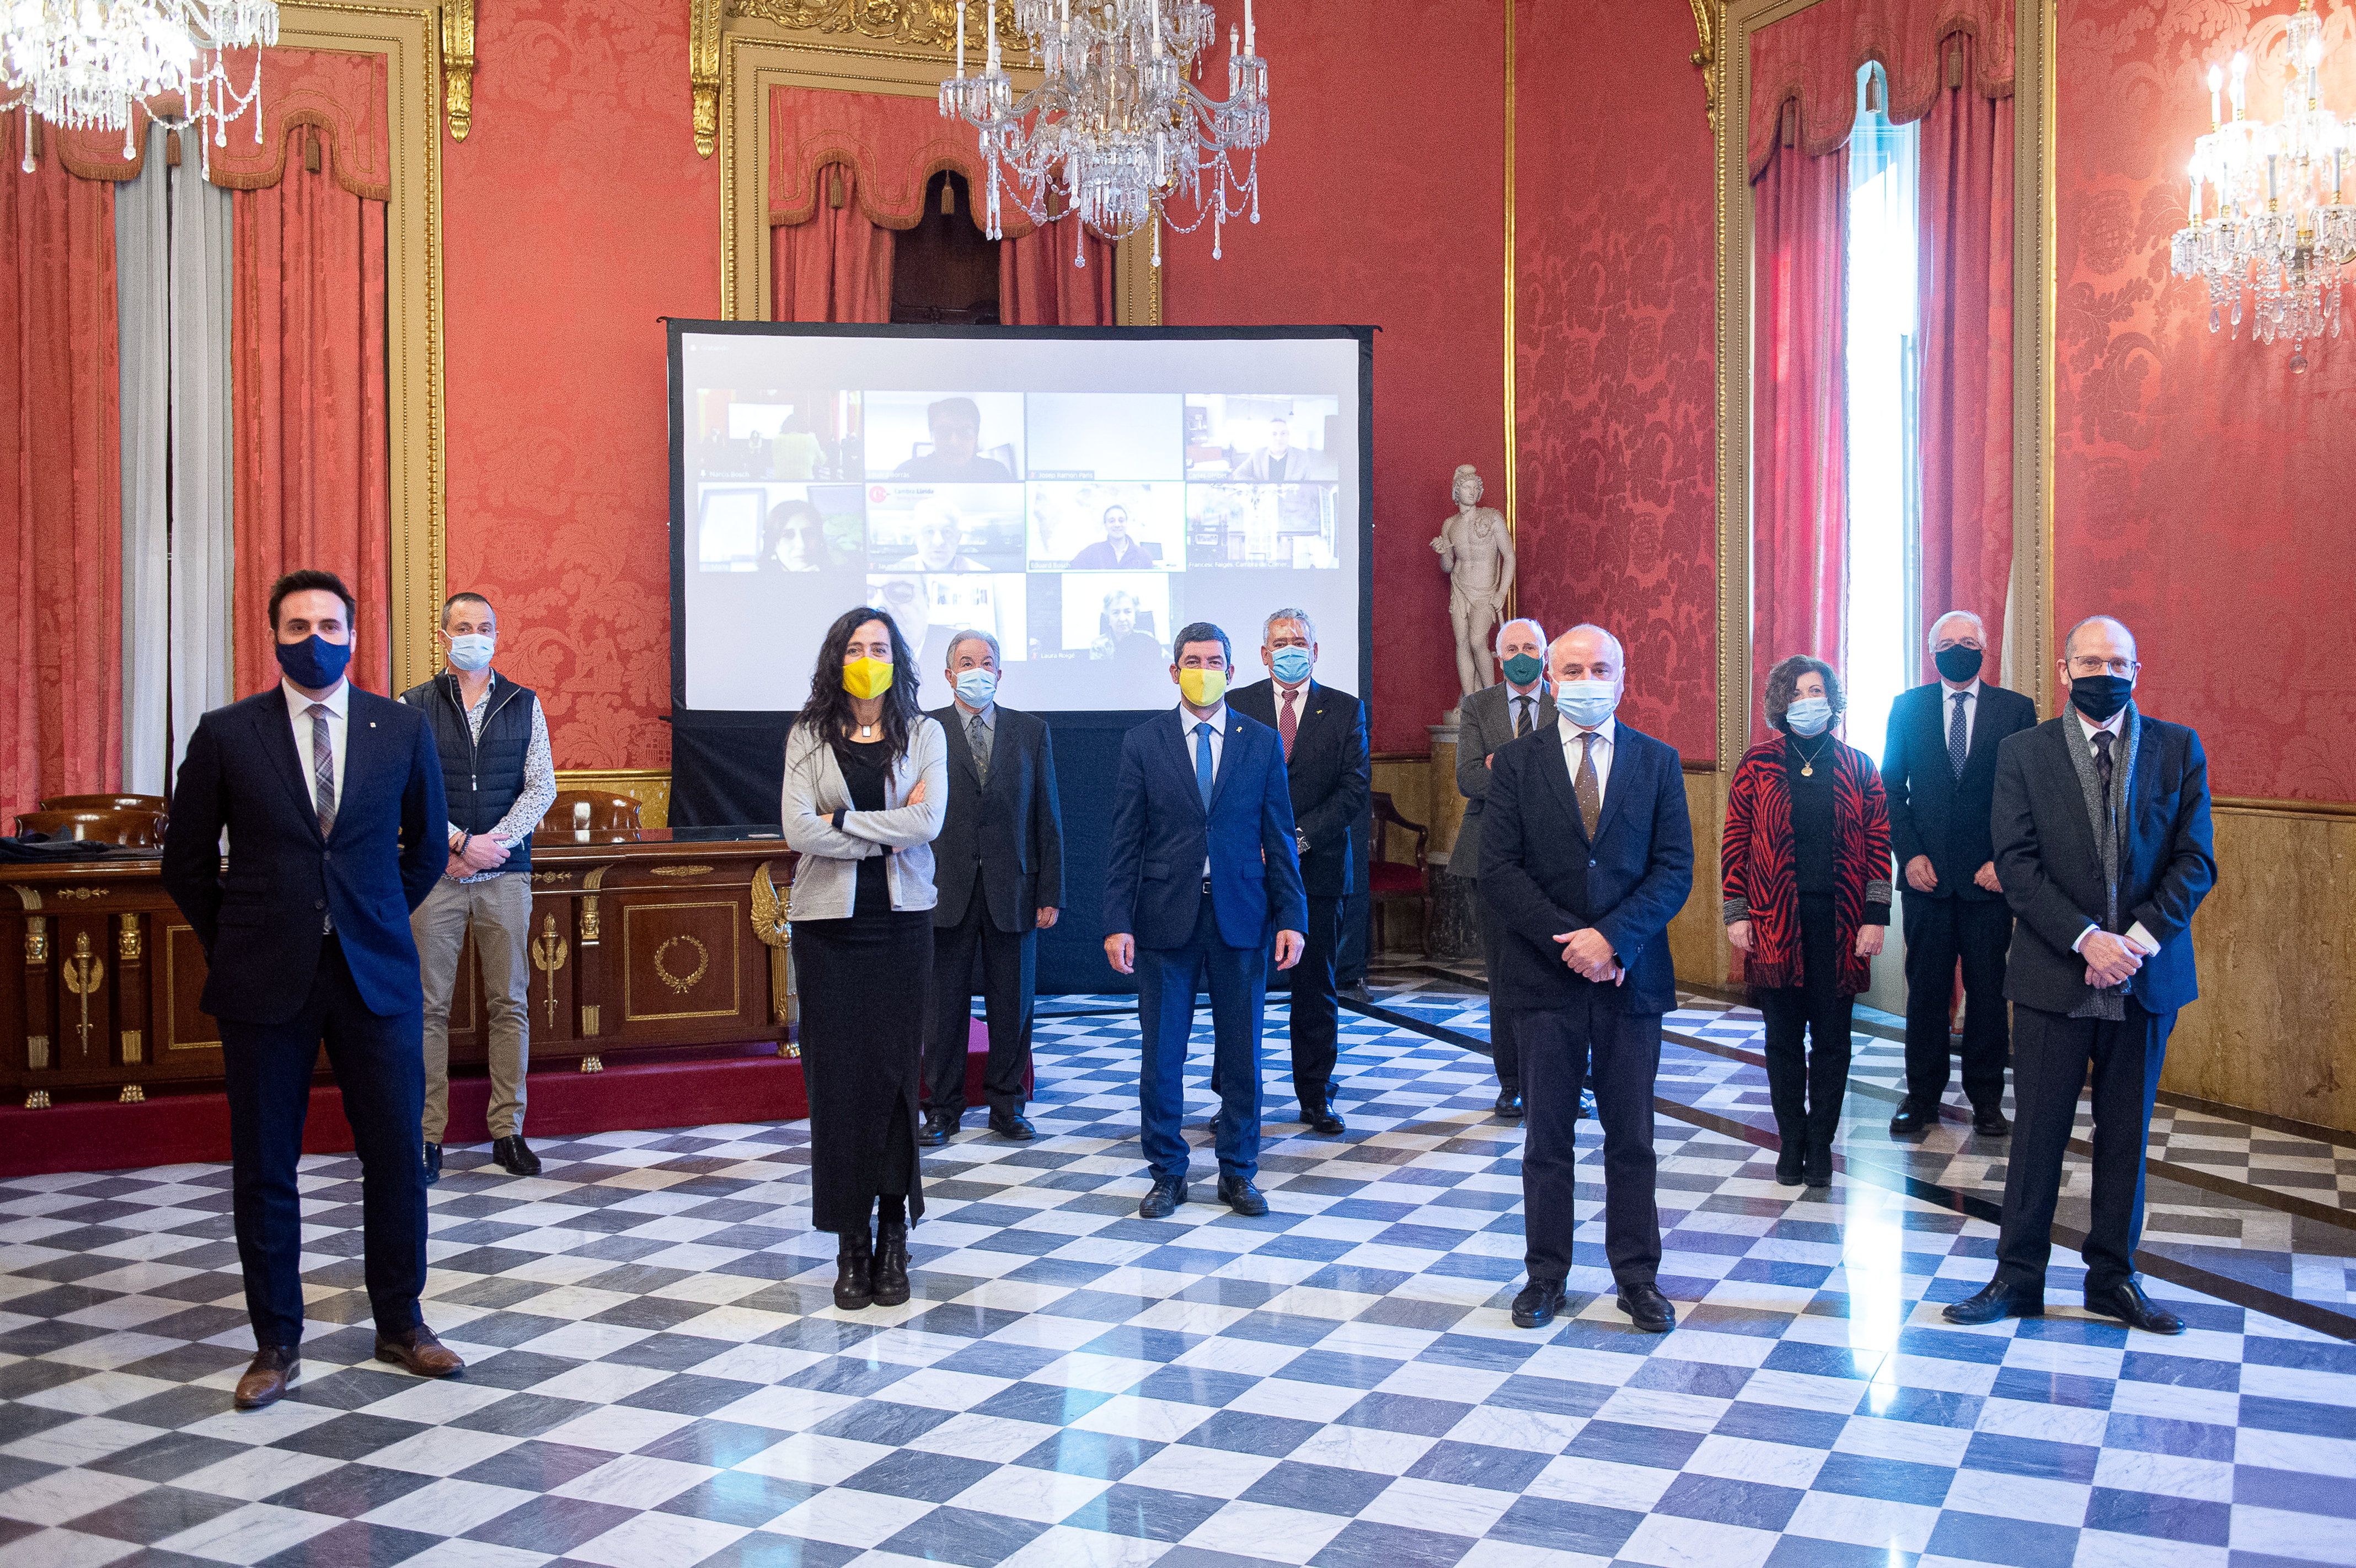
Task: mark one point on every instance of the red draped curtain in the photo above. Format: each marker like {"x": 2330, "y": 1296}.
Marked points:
{"x": 61, "y": 511}
{"x": 836, "y": 264}
{"x": 1038, "y": 287}
{"x": 1966, "y": 403}
{"x": 1799, "y": 484}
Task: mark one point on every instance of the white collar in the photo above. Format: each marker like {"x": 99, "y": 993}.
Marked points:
{"x": 338, "y": 702}
{"x": 1300, "y": 690}
{"x": 1515, "y": 695}
{"x": 1187, "y": 718}
{"x": 1948, "y": 693}
{"x": 2116, "y": 726}
{"x": 1605, "y": 732}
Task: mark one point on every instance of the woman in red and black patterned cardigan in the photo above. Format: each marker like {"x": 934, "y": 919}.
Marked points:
{"x": 1806, "y": 857}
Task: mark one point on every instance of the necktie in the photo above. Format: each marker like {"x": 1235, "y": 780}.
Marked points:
{"x": 1957, "y": 743}
{"x": 2103, "y": 760}
{"x": 1288, "y": 723}
{"x": 1202, "y": 762}
{"x": 1521, "y": 717}
{"x": 323, "y": 769}
{"x": 1588, "y": 788}
{"x": 977, "y": 736}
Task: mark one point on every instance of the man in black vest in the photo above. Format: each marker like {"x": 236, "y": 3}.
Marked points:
{"x": 1328, "y": 767}
{"x": 998, "y": 868}
{"x": 1939, "y": 767}
{"x": 501, "y": 779}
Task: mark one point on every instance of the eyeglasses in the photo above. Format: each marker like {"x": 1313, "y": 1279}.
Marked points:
{"x": 2088, "y": 664}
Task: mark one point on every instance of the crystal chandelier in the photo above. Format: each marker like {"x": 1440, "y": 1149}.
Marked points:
{"x": 99, "y": 64}
{"x": 1117, "y": 125}
{"x": 2282, "y": 228}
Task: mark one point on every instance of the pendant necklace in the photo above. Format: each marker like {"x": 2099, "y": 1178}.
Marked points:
{"x": 866, "y": 731}
{"x": 1807, "y": 761}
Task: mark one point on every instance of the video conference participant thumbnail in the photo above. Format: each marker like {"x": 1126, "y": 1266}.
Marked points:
{"x": 772, "y": 435}
{"x": 780, "y": 528}
{"x": 1279, "y": 526}
{"x": 944, "y": 527}
{"x": 957, "y": 438}
{"x": 1116, "y": 618}
{"x": 1100, "y": 527}
{"x": 1263, "y": 438}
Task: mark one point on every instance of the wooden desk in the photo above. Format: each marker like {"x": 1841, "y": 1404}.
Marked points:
{"x": 650, "y": 939}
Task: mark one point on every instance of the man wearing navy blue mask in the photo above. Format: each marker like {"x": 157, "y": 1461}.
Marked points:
{"x": 332, "y": 802}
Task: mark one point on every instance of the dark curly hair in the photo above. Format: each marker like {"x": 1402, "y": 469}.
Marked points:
{"x": 827, "y": 715}
{"x": 1783, "y": 683}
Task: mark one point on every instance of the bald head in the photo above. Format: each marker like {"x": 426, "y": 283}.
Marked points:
{"x": 1587, "y": 653}
{"x": 2099, "y": 634}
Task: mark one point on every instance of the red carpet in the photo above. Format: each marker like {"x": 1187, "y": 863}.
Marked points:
{"x": 187, "y": 1129}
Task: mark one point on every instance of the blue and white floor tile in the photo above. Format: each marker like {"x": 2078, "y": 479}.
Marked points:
{"x": 657, "y": 1374}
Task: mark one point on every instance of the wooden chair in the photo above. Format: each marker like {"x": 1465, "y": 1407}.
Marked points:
{"x": 1389, "y": 880}
{"x": 133, "y": 830}
{"x": 104, "y": 803}
{"x": 607, "y": 812}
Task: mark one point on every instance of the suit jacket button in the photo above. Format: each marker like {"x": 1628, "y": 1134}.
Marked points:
{"x": 318, "y": 903}
{"x": 1591, "y": 866}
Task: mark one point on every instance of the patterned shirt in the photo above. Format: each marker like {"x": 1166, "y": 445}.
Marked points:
{"x": 539, "y": 790}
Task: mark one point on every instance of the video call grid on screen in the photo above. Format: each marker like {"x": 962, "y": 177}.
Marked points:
{"x": 1080, "y": 496}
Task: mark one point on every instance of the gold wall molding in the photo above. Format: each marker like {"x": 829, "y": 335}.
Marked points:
{"x": 703, "y": 22}
{"x": 1513, "y": 368}
{"x": 1705, "y": 58}
{"x": 459, "y": 65}
{"x": 924, "y": 22}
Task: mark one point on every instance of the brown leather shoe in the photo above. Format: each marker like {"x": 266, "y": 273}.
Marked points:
{"x": 418, "y": 1351}
{"x": 266, "y": 1377}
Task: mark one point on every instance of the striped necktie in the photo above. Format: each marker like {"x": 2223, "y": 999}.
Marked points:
{"x": 323, "y": 769}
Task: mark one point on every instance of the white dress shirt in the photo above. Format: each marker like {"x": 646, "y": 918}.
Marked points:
{"x": 1971, "y": 697}
{"x": 298, "y": 712}
{"x": 1219, "y": 723}
{"x": 1601, "y": 754}
{"x": 2136, "y": 934}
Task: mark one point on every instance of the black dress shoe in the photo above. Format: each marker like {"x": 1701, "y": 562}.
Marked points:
{"x": 1995, "y": 1302}
{"x": 433, "y": 1163}
{"x": 1788, "y": 1160}
{"x": 937, "y": 1128}
{"x": 1648, "y": 1308}
{"x": 1509, "y": 1105}
{"x": 1012, "y": 1126}
{"x": 1163, "y": 1200}
{"x": 514, "y": 1156}
{"x": 2131, "y": 1307}
{"x": 1912, "y": 1120}
{"x": 1320, "y": 1117}
{"x": 887, "y": 1275}
{"x": 854, "y": 1261}
{"x": 1989, "y": 1123}
{"x": 1242, "y": 1197}
{"x": 1816, "y": 1170}
{"x": 1538, "y": 1301}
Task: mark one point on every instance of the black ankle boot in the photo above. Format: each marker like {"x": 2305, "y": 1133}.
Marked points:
{"x": 891, "y": 1275}
{"x": 1793, "y": 1139}
{"x": 853, "y": 1287}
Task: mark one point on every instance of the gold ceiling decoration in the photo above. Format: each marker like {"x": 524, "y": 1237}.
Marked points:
{"x": 459, "y": 65}
{"x": 930, "y": 22}
{"x": 1705, "y": 58}
{"x": 703, "y": 20}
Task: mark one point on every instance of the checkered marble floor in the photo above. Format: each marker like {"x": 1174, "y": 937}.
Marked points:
{"x": 656, "y": 1375}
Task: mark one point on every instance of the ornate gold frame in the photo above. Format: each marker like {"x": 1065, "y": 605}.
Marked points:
{"x": 756, "y": 45}
{"x": 2028, "y": 632}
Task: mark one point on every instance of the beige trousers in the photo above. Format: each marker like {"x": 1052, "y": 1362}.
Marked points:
{"x": 499, "y": 908}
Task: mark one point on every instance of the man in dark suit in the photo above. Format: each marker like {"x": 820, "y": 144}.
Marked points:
{"x": 999, "y": 869}
{"x": 1330, "y": 774}
{"x": 332, "y": 798}
{"x": 1586, "y": 855}
{"x": 2104, "y": 845}
{"x": 1490, "y": 718}
{"x": 1939, "y": 767}
{"x": 1202, "y": 868}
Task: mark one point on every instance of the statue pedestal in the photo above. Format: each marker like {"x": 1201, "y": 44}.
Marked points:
{"x": 1447, "y": 806}
{"x": 1455, "y": 919}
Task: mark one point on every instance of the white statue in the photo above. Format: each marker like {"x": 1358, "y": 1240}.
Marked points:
{"x": 1477, "y": 553}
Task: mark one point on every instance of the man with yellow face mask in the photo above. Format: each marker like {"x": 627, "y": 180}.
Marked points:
{"x": 1202, "y": 871}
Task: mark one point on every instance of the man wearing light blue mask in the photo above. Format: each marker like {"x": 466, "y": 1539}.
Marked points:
{"x": 998, "y": 867}
{"x": 500, "y": 777}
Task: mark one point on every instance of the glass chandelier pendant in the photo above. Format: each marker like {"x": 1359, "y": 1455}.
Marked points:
{"x": 100, "y": 64}
{"x": 1116, "y": 132}
{"x": 2270, "y": 221}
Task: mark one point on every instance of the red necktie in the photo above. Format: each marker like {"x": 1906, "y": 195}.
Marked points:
{"x": 1287, "y": 725}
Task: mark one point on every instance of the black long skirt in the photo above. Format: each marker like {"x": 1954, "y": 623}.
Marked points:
{"x": 864, "y": 982}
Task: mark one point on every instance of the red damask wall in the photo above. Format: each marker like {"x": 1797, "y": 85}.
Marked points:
{"x": 573, "y": 215}
{"x": 2202, "y": 492}
{"x": 1617, "y": 385}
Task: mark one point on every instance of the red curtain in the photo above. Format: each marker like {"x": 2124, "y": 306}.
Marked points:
{"x": 308, "y": 370}
{"x": 1038, "y": 287}
{"x": 835, "y": 264}
{"x": 1799, "y": 483}
{"x": 61, "y": 518}
{"x": 1812, "y": 58}
{"x": 1966, "y": 408}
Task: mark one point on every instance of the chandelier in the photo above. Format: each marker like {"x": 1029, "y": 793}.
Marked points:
{"x": 1116, "y": 125}
{"x": 2282, "y": 228}
{"x": 98, "y": 64}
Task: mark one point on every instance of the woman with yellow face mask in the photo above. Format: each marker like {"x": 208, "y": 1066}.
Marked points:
{"x": 866, "y": 789}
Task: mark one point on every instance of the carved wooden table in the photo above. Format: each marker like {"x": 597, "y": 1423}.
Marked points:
{"x": 657, "y": 939}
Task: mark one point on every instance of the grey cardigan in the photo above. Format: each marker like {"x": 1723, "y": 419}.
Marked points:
{"x": 826, "y": 879}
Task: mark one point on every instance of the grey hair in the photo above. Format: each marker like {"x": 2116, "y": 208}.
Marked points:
{"x": 974, "y": 634}
{"x": 1618, "y": 652}
{"x": 2071, "y": 636}
{"x": 1978, "y": 625}
{"x": 1267, "y": 626}
{"x": 1532, "y": 621}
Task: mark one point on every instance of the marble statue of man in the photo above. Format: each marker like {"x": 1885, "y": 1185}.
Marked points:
{"x": 1477, "y": 553}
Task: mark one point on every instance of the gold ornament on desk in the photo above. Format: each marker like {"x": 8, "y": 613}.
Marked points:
{"x": 84, "y": 973}
{"x": 549, "y": 952}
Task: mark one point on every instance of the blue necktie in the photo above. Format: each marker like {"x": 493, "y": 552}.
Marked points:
{"x": 1958, "y": 745}
{"x": 1203, "y": 763}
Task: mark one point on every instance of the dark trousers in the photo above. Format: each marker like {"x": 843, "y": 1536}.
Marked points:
{"x": 1597, "y": 1040}
{"x": 1504, "y": 1049}
{"x": 1009, "y": 967}
{"x": 1938, "y": 932}
{"x": 380, "y": 1067}
{"x": 2050, "y": 1054}
{"x": 1314, "y": 1022}
{"x": 1804, "y": 1087}
{"x": 1167, "y": 979}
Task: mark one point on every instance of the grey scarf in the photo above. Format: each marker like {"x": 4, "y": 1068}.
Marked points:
{"x": 2108, "y": 818}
